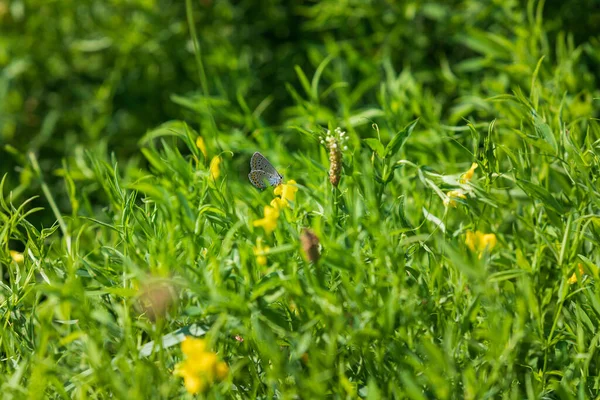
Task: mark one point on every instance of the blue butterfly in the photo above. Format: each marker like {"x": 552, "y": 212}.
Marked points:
{"x": 261, "y": 171}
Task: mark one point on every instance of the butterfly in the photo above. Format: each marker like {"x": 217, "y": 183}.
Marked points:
{"x": 261, "y": 171}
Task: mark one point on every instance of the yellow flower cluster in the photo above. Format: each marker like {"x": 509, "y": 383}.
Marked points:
{"x": 452, "y": 195}
{"x": 480, "y": 242}
{"x": 202, "y": 368}
{"x": 287, "y": 193}
{"x": 214, "y": 167}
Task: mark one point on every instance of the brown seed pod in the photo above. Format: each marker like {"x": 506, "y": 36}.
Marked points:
{"x": 155, "y": 299}
{"x": 310, "y": 245}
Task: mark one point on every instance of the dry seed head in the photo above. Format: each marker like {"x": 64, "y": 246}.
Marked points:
{"x": 335, "y": 142}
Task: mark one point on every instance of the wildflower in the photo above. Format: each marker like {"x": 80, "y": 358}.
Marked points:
{"x": 215, "y": 170}
{"x": 467, "y": 176}
{"x": 239, "y": 338}
{"x": 260, "y": 252}
{"x": 278, "y": 203}
{"x": 573, "y": 278}
{"x": 287, "y": 191}
{"x": 17, "y": 257}
{"x": 202, "y": 146}
{"x": 335, "y": 144}
{"x": 201, "y": 368}
{"x": 269, "y": 222}
{"x": 480, "y": 242}
{"x": 310, "y": 245}
{"x": 451, "y": 196}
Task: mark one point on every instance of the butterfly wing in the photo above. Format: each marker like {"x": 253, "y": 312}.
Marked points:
{"x": 260, "y": 163}
{"x": 275, "y": 180}
{"x": 259, "y": 178}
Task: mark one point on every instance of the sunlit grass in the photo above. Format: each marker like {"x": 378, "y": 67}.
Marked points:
{"x": 445, "y": 247}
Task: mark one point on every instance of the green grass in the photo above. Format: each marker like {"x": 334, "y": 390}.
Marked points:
{"x": 397, "y": 306}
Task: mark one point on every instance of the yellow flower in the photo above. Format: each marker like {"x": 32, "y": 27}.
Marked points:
{"x": 222, "y": 370}
{"x": 480, "y": 242}
{"x": 452, "y": 195}
{"x": 260, "y": 252}
{"x": 17, "y": 257}
{"x": 287, "y": 191}
{"x": 573, "y": 278}
{"x": 193, "y": 382}
{"x": 201, "y": 368}
{"x": 214, "y": 169}
{"x": 202, "y": 146}
{"x": 278, "y": 203}
{"x": 467, "y": 176}
{"x": 193, "y": 347}
{"x": 269, "y": 222}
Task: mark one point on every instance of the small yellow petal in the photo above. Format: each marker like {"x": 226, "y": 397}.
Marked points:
{"x": 488, "y": 241}
{"x": 467, "y": 176}
{"x": 278, "y": 203}
{"x": 452, "y": 195}
{"x": 271, "y": 212}
{"x": 17, "y": 257}
{"x": 269, "y": 222}
{"x": 201, "y": 366}
{"x": 222, "y": 370}
{"x": 449, "y": 202}
{"x": 480, "y": 242}
{"x": 193, "y": 347}
{"x": 194, "y": 384}
{"x": 215, "y": 170}
{"x": 205, "y": 363}
{"x": 471, "y": 240}
{"x": 268, "y": 225}
{"x": 259, "y": 252}
{"x": 261, "y": 260}
{"x": 573, "y": 278}
{"x": 457, "y": 193}
{"x": 202, "y": 146}
{"x": 288, "y": 192}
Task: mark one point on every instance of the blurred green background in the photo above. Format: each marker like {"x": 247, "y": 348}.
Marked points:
{"x": 96, "y": 75}
{"x": 101, "y": 106}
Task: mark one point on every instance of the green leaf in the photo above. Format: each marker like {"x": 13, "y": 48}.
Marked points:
{"x": 541, "y": 194}
{"x": 376, "y": 146}
{"x": 303, "y": 80}
{"x": 544, "y": 131}
{"x": 398, "y": 141}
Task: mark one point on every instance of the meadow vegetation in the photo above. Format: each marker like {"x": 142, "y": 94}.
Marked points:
{"x": 435, "y": 235}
